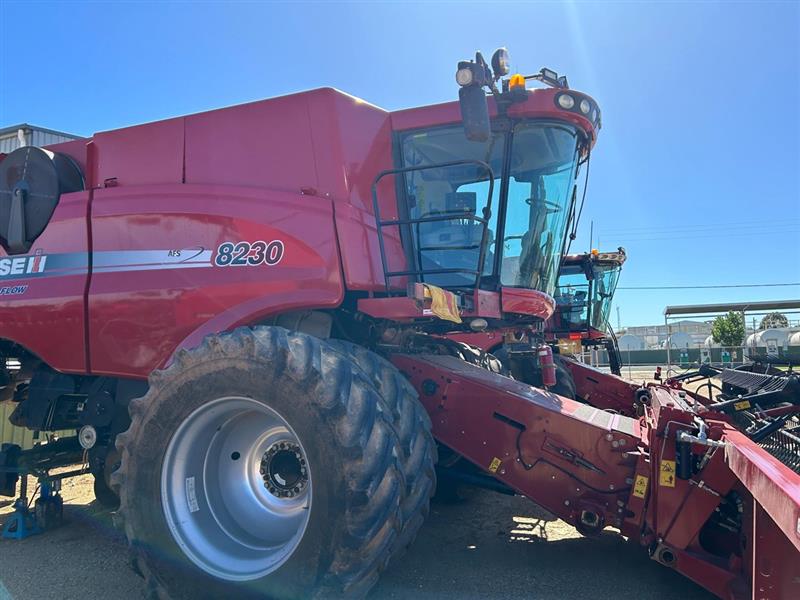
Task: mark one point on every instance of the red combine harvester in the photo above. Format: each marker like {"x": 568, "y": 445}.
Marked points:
{"x": 244, "y": 314}
{"x": 585, "y": 290}
{"x": 586, "y": 285}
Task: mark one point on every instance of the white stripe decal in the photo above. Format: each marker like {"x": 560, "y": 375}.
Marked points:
{"x": 128, "y": 268}
{"x": 112, "y": 261}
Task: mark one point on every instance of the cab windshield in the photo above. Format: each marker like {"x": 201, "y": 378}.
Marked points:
{"x": 584, "y": 303}
{"x": 532, "y": 168}
{"x": 606, "y": 277}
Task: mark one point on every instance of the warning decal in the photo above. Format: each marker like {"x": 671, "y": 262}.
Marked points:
{"x": 640, "y": 486}
{"x": 666, "y": 477}
{"x": 742, "y": 405}
{"x": 494, "y": 465}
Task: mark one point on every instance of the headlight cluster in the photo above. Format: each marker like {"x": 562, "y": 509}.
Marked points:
{"x": 576, "y": 104}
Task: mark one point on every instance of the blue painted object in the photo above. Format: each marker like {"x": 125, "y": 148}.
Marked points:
{"x": 48, "y": 511}
{"x": 22, "y": 523}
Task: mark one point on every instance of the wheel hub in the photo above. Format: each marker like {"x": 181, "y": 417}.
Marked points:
{"x": 236, "y": 488}
{"x": 284, "y": 470}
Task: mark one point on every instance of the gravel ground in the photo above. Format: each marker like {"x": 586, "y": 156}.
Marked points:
{"x": 490, "y": 546}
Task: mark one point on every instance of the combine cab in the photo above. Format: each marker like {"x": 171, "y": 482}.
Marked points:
{"x": 248, "y": 316}
{"x": 586, "y": 285}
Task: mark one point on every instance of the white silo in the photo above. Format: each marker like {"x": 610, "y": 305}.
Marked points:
{"x": 630, "y": 342}
{"x": 752, "y": 340}
{"x": 794, "y": 339}
{"x": 710, "y": 343}
{"x": 773, "y": 340}
{"x": 679, "y": 340}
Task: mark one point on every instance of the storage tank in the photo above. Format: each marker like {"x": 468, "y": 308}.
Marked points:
{"x": 752, "y": 339}
{"x": 794, "y": 339}
{"x": 710, "y": 343}
{"x": 679, "y": 340}
{"x": 773, "y": 338}
{"x": 630, "y": 342}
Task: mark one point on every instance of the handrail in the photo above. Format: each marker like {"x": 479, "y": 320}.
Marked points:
{"x": 484, "y": 221}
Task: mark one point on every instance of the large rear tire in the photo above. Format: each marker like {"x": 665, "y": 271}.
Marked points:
{"x": 413, "y": 427}
{"x": 260, "y": 464}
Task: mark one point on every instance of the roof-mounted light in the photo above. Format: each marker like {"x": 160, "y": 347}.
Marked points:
{"x": 516, "y": 81}
{"x": 501, "y": 63}
{"x": 566, "y": 101}
{"x": 464, "y": 76}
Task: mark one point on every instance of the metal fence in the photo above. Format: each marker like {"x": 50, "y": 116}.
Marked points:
{"x": 686, "y": 357}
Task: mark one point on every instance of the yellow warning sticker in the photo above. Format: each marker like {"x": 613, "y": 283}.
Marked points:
{"x": 494, "y": 465}
{"x": 743, "y": 405}
{"x": 666, "y": 477}
{"x": 640, "y": 486}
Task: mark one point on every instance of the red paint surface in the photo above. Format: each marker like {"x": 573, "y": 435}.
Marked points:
{"x": 138, "y": 319}
{"x": 49, "y": 317}
{"x": 773, "y": 485}
{"x": 775, "y": 562}
{"x": 527, "y": 302}
{"x": 464, "y": 409}
{"x": 601, "y": 389}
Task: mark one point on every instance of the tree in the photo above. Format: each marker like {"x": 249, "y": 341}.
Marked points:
{"x": 775, "y": 319}
{"x": 728, "y": 330}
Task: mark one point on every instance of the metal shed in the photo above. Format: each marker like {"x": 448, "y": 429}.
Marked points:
{"x": 16, "y": 136}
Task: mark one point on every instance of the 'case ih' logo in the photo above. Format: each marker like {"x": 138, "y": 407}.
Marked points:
{"x": 22, "y": 265}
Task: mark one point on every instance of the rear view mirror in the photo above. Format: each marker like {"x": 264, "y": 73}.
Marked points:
{"x": 474, "y": 113}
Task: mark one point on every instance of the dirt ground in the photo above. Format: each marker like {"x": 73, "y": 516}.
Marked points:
{"x": 489, "y": 546}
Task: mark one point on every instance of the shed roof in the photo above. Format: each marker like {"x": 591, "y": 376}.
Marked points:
{"x": 701, "y": 309}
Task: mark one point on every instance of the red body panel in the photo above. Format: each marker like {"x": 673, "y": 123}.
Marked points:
{"x": 775, "y": 561}
{"x": 157, "y": 303}
{"x": 773, "y": 486}
{"x": 48, "y": 316}
{"x": 601, "y": 389}
{"x": 527, "y": 302}
{"x": 501, "y": 425}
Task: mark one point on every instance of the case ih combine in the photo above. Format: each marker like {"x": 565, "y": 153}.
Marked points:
{"x": 245, "y": 314}
{"x": 586, "y": 285}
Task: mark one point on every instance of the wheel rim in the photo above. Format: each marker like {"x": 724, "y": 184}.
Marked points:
{"x": 236, "y": 488}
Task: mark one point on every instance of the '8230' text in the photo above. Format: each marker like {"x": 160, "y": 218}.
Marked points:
{"x": 249, "y": 254}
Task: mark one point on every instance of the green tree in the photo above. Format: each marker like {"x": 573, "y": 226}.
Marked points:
{"x": 775, "y": 319}
{"x": 728, "y": 330}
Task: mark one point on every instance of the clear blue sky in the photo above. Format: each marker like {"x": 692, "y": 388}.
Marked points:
{"x": 696, "y": 172}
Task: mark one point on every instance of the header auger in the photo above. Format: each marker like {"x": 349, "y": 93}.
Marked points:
{"x": 249, "y": 316}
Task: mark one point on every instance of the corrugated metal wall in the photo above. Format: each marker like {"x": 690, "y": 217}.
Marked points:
{"x": 33, "y": 137}
{"x": 10, "y": 434}
{"x": 19, "y": 435}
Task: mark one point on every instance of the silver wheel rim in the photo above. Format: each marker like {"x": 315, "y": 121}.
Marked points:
{"x": 236, "y": 488}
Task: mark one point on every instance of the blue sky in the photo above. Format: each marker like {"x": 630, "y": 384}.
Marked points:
{"x": 696, "y": 173}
